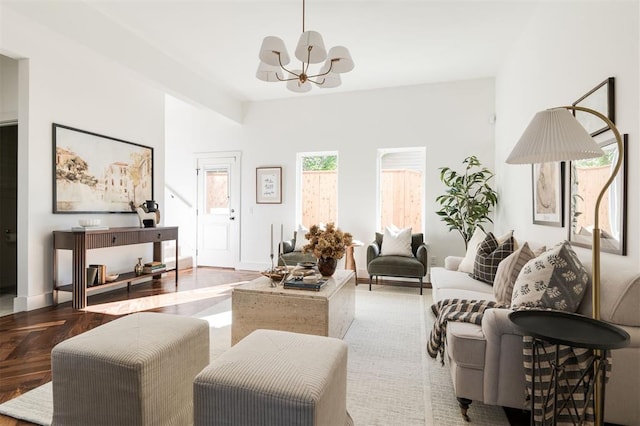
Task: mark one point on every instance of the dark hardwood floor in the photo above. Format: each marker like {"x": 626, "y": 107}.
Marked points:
{"x": 26, "y": 338}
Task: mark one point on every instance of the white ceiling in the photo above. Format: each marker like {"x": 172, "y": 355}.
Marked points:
{"x": 392, "y": 42}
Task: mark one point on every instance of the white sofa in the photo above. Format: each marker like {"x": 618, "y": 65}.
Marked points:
{"x": 486, "y": 361}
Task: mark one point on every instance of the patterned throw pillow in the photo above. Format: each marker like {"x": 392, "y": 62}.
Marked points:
{"x": 490, "y": 253}
{"x": 509, "y": 269}
{"x": 556, "y": 279}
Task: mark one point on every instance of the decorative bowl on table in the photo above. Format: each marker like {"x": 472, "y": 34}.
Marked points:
{"x": 112, "y": 277}
{"x": 277, "y": 273}
{"x": 306, "y": 265}
{"x": 87, "y": 223}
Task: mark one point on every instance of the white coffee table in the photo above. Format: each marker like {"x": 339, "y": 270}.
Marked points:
{"x": 328, "y": 312}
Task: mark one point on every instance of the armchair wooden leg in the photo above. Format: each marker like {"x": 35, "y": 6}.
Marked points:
{"x": 420, "y": 279}
{"x": 370, "y": 279}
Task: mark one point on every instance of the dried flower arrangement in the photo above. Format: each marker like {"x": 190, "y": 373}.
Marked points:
{"x": 329, "y": 242}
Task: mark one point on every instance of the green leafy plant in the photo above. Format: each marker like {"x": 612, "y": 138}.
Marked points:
{"x": 469, "y": 198}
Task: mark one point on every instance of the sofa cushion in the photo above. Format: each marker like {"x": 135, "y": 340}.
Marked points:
{"x": 396, "y": 266}
{"x": 508, "y": 271}
{"x": 490, "y": 254}
{"x": 556, "y": 279}
{"x": 396, "y": 242}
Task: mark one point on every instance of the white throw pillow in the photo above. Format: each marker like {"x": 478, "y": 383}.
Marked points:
{"x": 556, "y": 279}
{"x": 466, "y": 265}
{"x": 396, "y": 243}
{"x": 301, "y": 240}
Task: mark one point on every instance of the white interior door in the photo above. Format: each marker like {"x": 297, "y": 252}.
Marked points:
{"x": 218, "y": 210}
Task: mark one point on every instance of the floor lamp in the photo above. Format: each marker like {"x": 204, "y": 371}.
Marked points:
{"x": 556, "y": 135}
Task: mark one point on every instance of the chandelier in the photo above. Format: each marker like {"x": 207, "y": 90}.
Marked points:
{"x": 310, "y": 50}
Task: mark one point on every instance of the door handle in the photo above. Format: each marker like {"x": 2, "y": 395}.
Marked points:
{"x": 232, "y": 218}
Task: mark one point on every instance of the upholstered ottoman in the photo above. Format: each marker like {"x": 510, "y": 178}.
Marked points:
{"x": 136, "y": 370}
{"x": 275, "y": 378}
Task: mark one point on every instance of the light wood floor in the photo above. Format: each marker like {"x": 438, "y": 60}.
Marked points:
{"x": 26, "y": 338}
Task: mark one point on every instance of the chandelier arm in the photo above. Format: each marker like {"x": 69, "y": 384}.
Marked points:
{"x": 285, "y": 69}
{"x": 316, "y": 82}
{"x": 324, "y": 73}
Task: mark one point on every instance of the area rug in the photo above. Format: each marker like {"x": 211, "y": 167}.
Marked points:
{"x": 391, "y": 381}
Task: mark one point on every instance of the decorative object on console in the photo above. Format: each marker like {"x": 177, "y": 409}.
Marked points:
{"x": 469, "y": 198}
{"x": 148, "y": 214}
{"x": 556, "y": 135}
{"x": 94, "y": 173}
{"x": 138, "y": 267}
{"x": 327, "y": 243}
{"x": 310, "y": 50}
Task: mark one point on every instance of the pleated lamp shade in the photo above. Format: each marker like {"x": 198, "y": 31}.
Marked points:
{"x": 314, "y": 40}
{"x": 554, "y": 135}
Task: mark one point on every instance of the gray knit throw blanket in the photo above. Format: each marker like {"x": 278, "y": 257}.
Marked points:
{"x": 460, "y": 310}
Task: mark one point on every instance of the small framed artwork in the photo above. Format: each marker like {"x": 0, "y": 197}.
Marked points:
{"x": 587, "y": 178}
{"x": 547, "y": 181}
{"x": 94, "y": 173}
{"x": 602, "y": 99}
{"x": 269, "y": 185}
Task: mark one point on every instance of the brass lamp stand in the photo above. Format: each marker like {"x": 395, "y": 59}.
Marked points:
{"x": 553, "y": 136}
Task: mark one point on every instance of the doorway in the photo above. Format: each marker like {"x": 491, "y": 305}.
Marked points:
{"x": 8, "y": 213}
{"x": 218, "y": 213}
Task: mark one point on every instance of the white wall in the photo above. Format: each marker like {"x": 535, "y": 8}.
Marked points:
{"x": 567, "y": 49}
{"x": 8, "y": 89}
{"x": 450, "y": 119}
{"x": 63, "y": 82}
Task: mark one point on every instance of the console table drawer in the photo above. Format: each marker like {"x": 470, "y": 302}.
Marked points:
{"x": 111, "y": 239}
{"x": 155, "y": 235}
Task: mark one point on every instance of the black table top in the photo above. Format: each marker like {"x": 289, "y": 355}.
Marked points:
{"x": 570, "y": 329}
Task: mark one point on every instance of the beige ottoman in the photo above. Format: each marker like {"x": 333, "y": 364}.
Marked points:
{"x": 275, "y": 378}
{"x": 136, "y": 370}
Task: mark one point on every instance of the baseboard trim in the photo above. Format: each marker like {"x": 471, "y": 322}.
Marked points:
{"x": 395, "y": 282}
{"x": 29, "y": 303}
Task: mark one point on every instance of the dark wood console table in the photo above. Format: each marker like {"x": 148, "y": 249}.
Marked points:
{"x": 81, "y": 241}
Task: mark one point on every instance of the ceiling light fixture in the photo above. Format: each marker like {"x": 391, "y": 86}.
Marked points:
{"x": 310, "y": 50}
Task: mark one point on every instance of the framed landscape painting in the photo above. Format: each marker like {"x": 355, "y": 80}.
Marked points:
{"x": 94, "y": 173}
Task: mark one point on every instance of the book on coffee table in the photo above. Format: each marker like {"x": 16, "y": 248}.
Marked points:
{"x": 300, "y": 285}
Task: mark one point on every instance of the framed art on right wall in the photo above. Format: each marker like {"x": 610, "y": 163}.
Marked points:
{"x": 602, "y": 99}
{"x": 587, "y": 178}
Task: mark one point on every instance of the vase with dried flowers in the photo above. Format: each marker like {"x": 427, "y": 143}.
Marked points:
{"x": 327, "y": 244}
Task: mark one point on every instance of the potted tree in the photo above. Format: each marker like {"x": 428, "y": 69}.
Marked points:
{"x": 469, "y": 198}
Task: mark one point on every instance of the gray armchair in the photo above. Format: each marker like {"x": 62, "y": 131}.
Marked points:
{"x": 286, "y": 253}
{"x": 397, "y": 266}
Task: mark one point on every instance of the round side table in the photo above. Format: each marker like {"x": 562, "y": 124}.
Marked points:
{"x": 564, "y": 328}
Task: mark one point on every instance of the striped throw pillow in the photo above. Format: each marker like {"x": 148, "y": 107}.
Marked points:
{"x": 508, "y": 271}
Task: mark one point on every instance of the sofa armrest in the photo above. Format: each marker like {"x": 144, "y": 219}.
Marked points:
{"x": 503, "y": 366}
{"x": 452, "y": 262}
{"x": 373, "y": 251}
{"x": 288, "y": 245}
{"x": 422, "y": 255}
